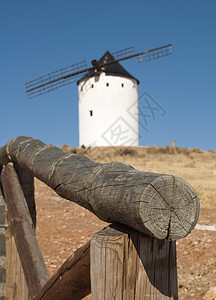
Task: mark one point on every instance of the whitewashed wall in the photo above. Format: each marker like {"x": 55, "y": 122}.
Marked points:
{"x": 108, "y": 111}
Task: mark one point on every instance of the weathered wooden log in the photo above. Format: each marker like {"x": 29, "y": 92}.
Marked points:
{"x": 26, "y": 180}
{"x": 159, "y": 205}
{"x": 72, "y": 280}
{"x": 16, "y": 284}
{"x": 16, "y": 287}
{"x": 126, "y": 264}
{"x": 22, "y": 228}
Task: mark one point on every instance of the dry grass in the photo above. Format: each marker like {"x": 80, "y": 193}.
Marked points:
{"x": 195, "y": 166}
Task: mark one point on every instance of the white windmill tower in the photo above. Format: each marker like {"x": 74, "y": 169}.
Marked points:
{"x": 104, "y": 99}
{"x": 108, "y": 96}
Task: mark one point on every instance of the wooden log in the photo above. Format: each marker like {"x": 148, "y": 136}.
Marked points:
{"x": 159, "y": 205}
{"x": 2, "y": 246}
{"x": 26, "y": 180}
{"x": 16, "y": 284}
{"x": 22, "y": 228}
{"x": 72, "y": 280}
{"x": 126, "y": 264}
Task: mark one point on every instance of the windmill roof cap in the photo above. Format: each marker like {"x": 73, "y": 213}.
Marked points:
{"x": 114, "y": 69}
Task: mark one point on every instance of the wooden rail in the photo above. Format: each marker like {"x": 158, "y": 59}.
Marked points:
{"x": 72, "y": 280}
{"x": 161, "y": 206}
{"x": 132, "y": 260}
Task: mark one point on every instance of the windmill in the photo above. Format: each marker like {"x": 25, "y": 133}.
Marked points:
{"x": 108, "y": 96}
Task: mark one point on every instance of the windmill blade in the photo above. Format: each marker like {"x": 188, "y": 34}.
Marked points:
{"x": 72, "y": 73}
{"x": 124, "y": 53}
{"x": 50, "y": 86}
{"x": 54, "y": 80}
{"x": 154, "y": 53}
{"x": 146, "y": 55}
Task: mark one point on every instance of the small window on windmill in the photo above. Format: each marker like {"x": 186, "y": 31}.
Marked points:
{"x": 122, "y": 84}
{"x": 92, "y": 86}
{"x": 107, "y": 84}
{"x": 91, "y": 113}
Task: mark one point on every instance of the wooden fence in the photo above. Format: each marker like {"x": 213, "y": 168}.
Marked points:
{"x": 133, "y": 258}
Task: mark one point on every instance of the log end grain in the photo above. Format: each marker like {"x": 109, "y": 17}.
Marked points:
{"x": 169, "y": 208}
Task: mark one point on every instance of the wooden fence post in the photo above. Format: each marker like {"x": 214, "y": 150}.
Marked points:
{"x": 126, "y": 264}
{"x": 14, "y": 270}
{"x": 26, "y": 180}
{"x": 26, "y": 271}
{"x": 16, "y": 284}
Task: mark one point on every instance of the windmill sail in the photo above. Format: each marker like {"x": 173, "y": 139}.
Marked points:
{"x": 72, "y": 73}
{"x": 124, "y": 53}
{"x": 54, "y": 80}
{"x": 154, "y": 53}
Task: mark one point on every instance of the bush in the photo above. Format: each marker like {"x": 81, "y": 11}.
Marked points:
{"x": 196, "y": 150}
{"x": 72, "y": 150}
{"x": 184, "y": 151}
{"x": 65, "y": 147}
{"x": 127, "y": 151}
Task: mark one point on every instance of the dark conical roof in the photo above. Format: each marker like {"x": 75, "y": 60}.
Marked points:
{"x": 114, "y": 69}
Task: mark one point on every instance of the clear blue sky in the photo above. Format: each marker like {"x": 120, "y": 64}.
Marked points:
{"x": 38, "y": 37}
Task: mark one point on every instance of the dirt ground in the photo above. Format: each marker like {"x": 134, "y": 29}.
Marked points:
{"x": 63, "y": 226}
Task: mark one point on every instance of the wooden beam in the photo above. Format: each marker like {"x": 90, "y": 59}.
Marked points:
{"x": 16, "y": 287}
{"x": 72, "y": 280}
{"x": 22, "y": 228}
{"x": 126, "y": 264}
{"x": 160, "y": 205}
{"x": 26, "y": 180}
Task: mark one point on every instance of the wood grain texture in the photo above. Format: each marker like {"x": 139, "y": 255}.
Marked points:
{"x": 26, "y": 181}
{"x": 159, "y": 205}
{"x": 126, "y": 264}
{"x": 72, "y": 280}
{"x": 16, "y": 284}
{"x": 22, "y": 229}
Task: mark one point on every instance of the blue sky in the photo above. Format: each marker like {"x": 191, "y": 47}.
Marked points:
{"x": 38, "y": 37}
